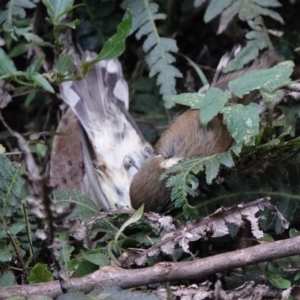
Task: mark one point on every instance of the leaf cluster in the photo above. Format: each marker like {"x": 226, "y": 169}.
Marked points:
{"x": 97, "y": 238}
{"x": 242, "y": 123}
{"x": 16, "y": 9}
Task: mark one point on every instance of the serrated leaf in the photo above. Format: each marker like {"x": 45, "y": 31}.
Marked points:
{"x": 212, "y": 170}
{"x": 271, "y": 97}
{"x": 85, "y": 207}
{"x": 242, "y": 121}
{"x": 269, "y": 79}
{"x": 226, "y": 159}
{"x": 11, "y": 187}
{"x": 183, "y": 184}
{"x": 6, "y": 64}
{"x": 212, "y": 103}
{"x": 246, "y": 10}
{"x": 42, "y": 82}
{"x": 214, "y": 8}
{"x": 193, "y": 100}
{"x": 258, "y": 40}
{"x": 25, "y": 32}
{"x": 159, "y": 57}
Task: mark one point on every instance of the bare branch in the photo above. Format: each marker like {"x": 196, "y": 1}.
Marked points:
{"x": 163, "y": 272}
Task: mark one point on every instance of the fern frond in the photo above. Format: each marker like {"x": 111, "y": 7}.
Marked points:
{"x": 159, "y": 58}
{"x": 16, "y": 9}
{"x": 183, "y": 183}
{"x": 85, "y": 207}
{"x": 250, "y": 11}
{"x": 258, "y": 39}
{"x": 11, "y": 188}
{"x": 244, "y": 9}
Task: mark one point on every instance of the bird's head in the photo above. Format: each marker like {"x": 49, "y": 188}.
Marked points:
{"x": 147, "y": 188}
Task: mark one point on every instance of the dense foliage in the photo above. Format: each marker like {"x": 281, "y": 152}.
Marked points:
{"x": 168, "y": 49}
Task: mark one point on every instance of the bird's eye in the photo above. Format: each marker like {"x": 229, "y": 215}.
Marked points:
{"x": 129, "y": 162}
{"x": 147, "y": 151}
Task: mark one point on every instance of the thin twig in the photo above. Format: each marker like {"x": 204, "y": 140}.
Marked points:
{"x": 17, "y": 250}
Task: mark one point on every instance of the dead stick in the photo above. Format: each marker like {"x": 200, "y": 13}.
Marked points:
{"x": 163, "y": 272}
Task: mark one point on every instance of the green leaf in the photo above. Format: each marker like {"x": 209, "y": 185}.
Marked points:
{"x": 40, "y": 273}
{"x": 85, "y": 207}
{"x": 115, "y": 46}
{"x": 258, "y": 39}
{"x": 5, "y": 252}
{"x": 71, "y": 24}
{"x": 213, "y": 102}
{"x": 183, "y": 184}
{"x": 198, "y": 70}
{"x": 242, "y": 121}
{"x": 25, "y": 32}
{"x": 19, "y": 49}
{"x": 278, "y": 281}
{"x": 64, "y": 63}
{"x": 193, "y": 100}
{"x": 133, "y": 219}
{"x": 6, "y": 64}
{"x": 56, "y": 9}
{"x": 214, "y": 8}
{"x": 66, "y": 250}
{"x": 7, "y": 279}
{"x": 42, "y": 82}
{"x": 246, "y": 10}
{"x": 36, "y": 65}
{"x": 97, "y": 258}
{"x": 294, "y": 233}
{"x": 11, "y": 187}
{"x": 271, "y": 97}
{"x": 269, "y": 80}
{"x": 16, "y": 227}
{"x": 85, "y": 268}
{"x": 2, "y": 149}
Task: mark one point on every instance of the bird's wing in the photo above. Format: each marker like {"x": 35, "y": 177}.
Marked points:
{"x": 100, "y": 101}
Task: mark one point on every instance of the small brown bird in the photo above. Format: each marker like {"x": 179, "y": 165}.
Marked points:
{"x": 186, "y": 138}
